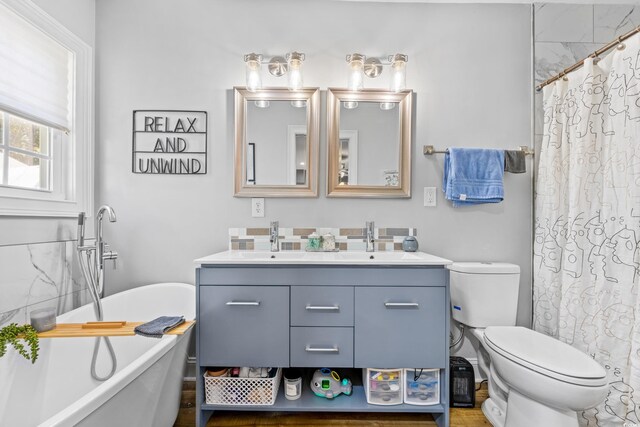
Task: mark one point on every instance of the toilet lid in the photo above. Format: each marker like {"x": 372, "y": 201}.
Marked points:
{"x": 545, "y": 355}
{"x": 484, "y": 267}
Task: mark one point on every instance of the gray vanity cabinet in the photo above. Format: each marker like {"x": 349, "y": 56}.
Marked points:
{"x": 313, "y": 316}
{"x": 244, "y": 325}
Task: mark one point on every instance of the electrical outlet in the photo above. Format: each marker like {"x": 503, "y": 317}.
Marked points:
{"x": 430, "y": 196}
{"x": 257, "y": 207}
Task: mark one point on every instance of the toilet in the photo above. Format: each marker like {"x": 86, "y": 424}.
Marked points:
{"x": 534, "y": 380}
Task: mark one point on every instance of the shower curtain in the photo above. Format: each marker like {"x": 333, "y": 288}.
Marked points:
{"x": 587, "y": 224}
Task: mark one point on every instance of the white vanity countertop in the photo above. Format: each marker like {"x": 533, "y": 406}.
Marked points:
{"x": 330, "y": 258}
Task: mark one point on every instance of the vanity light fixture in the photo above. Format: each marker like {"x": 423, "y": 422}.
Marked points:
{"x": 254, "y": 63}
{"x": 299, "y": 103}
{"x": 350, "y": 105}
{"x": 356, "y": 71}
{"x": 398, "y": 72}
{"x": 360, "y": 66}
{"x": 262, "y": 103}
{"x": 278, "y": 66}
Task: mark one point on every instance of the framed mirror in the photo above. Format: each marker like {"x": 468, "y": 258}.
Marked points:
{"x": 369, "y": 138}
{"x": 276, "y": 142}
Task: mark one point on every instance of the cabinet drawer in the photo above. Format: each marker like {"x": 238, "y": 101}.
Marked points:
{"x": 322, "y": 347}
{"x": 400, "y": 326}
{"x": 321, "y": 306}
{"x": 244, "y": 325}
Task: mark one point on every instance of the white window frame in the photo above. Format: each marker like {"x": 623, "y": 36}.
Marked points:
{"x": 76, "y": 195}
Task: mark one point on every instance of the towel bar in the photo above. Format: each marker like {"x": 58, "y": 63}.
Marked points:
{"x": 428, "y": 150}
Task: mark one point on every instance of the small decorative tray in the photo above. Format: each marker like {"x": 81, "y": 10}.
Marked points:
{"x": 308, "y": 249}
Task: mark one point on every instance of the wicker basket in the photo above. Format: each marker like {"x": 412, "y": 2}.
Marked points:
{"x": 241, "y": 391}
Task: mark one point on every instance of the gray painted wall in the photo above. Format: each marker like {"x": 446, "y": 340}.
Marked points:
{"x": 470, "y": 66}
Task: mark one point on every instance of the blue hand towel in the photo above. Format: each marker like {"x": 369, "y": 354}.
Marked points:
{"x": 158, "y": 327}
{"x": 473, "y": 176}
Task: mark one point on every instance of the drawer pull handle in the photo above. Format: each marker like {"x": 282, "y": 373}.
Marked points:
{"x": 322, "y": 307}
{"x": 243, "y": 303}
{"x": 401, "y": 305}
{"x": 321, "y": 349}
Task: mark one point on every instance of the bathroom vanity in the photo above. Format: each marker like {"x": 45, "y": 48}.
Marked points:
{"x": 336, "y": 310}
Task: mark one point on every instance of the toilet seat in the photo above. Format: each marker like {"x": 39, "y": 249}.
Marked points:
{"x": 545, "y": 355}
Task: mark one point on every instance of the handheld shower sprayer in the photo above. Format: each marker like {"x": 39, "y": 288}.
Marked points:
{"x": 81, "y": 220}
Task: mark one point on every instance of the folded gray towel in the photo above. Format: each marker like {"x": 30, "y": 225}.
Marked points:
{"x": 514, "y": 161}
{"x": 158, "y": 327}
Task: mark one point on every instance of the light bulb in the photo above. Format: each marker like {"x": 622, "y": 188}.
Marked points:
{"x": 356, "y": 71}
{"x": 295, "y": 70}
{"x": 262, "y": 103}
{"x": 398, "y": 72}
{"x": 299, "y": 103}
{"x": 350, "y": 105}
{"x": 254, "y": 80}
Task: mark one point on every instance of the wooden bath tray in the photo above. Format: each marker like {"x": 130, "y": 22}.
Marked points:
{"x": 104, "y": 329}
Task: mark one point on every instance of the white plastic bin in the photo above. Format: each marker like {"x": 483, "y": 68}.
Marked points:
{"x": 383, "y": 386}
{"x": 421, "y": 386}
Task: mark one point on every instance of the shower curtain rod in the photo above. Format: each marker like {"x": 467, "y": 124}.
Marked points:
{"x": 617, "y": 42}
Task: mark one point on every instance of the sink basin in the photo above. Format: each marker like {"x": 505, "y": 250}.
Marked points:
{"x": 380, "y": 256}
{"x": 330, "y": 258}
{"x": 264, "y": 255}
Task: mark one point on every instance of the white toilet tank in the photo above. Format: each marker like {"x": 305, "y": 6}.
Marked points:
{"x": 484, "y": 293}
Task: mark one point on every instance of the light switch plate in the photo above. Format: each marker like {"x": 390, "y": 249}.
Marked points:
{"x": 257, "y": 207}
{"x": 430, "y": 196}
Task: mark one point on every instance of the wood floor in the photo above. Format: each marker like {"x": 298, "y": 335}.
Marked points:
{"x": 459, "y": 417}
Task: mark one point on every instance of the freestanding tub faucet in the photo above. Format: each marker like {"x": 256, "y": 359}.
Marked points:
{"x": 91, "y": 259}
{"x": 370, "y": 226}
{"x": 273, "y": 233}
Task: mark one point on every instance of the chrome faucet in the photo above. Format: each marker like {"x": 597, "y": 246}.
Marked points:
{"x": 102, "y": 248}
{"x": 370, "y": 226}
{"x": 273, "y": 232}
{"x": 92, "y": 257}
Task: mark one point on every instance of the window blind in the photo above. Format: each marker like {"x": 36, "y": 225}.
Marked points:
{"x": 35, "y": 73}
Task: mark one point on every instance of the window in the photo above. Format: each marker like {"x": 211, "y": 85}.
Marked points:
{"x": 27, "y": 153}
{"x": 46, "y": 96}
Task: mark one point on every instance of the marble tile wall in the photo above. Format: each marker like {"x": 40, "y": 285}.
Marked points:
{"x": 39, "y": 275}
{"x": 567, "y": 33}
{"x": 295, "y": 239}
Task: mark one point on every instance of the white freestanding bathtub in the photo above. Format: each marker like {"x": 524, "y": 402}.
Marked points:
{"x": 58, "y": 389}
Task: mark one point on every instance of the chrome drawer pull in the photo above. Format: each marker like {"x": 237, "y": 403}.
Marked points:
{"x": 401, "y": 304}
{"x": 243, "y": 303}
{"x": 322, "y": 307}
{"x": 321, "y": 350}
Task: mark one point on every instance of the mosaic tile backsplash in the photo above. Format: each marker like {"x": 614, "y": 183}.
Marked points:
{"x": 295, "y": 239}
{"x": 40, "y": 275}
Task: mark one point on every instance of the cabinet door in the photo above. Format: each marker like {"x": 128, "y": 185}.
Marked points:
{"x": 399, "y": 327}
{"x": 244, "y": 325}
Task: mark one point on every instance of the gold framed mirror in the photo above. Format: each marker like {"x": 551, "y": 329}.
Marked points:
{"x": 369, "y": 143}
{"x": 277, "y": 133}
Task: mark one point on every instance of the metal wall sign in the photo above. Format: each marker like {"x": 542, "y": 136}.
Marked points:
{"x": 169, "y": 142}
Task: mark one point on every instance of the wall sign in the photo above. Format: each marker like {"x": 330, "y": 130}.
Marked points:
{"x": 170, "y": 142}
